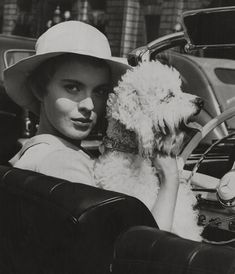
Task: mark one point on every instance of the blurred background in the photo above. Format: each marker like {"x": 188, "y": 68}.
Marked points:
{"x": 128, "y": 24}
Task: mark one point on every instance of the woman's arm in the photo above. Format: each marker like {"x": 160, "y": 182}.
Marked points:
{"x": 164, "y": 207}
{"x": 200, "y": 180}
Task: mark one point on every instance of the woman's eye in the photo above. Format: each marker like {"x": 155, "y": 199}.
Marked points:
{"x": 72, "y": 88}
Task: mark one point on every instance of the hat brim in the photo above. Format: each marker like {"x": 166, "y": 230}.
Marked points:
{"x": 15, "y": 77}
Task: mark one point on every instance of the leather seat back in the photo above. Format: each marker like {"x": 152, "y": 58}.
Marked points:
{"x": 52, "y": 226}
{"x": 142, "y": 250}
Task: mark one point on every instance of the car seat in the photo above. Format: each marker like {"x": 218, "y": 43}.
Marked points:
{"x": 145, "y": 250}
{"x": 53, "y": 226}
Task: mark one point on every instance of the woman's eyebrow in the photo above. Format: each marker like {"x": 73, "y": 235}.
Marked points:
{"x": 72, "y": 81}
{"x": 107, "y": 84}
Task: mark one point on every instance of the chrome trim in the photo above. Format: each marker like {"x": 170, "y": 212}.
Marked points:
{"x": 144, "y": 53}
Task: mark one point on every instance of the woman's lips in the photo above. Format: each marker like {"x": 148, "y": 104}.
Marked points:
{"x": 82, "y": 122}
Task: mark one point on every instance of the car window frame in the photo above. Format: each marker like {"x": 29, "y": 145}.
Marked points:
{"x": 12, "y": 50}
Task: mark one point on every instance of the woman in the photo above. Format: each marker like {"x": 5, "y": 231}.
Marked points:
{"x": 67, "y": 84}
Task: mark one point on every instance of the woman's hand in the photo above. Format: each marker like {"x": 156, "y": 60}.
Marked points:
{"x": 167, "y": 169}
{"x": 226, "y": 187}
{"x": 199, "y": 179}
{"x": 164, "y": 207}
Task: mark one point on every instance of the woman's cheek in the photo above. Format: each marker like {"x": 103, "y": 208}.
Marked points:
{"x": 65, "y": 105}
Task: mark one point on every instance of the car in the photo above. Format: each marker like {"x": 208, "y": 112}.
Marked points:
{"x": 54, "y": 226}
{"x": 210, "y": 75}
{"x": 212, "y": 78}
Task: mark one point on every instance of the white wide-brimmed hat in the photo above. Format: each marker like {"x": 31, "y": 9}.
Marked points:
{"x": 67, "y": 37}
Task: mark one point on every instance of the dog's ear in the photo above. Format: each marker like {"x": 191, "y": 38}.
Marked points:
{"x": 126, "y": 108}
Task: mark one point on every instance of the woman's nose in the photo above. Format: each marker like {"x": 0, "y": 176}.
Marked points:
{"x": 86, "y": 105}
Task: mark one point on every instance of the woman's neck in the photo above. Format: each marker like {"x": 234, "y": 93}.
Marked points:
{"x": 45, "y": 127}
{"x": 41, "y": 130}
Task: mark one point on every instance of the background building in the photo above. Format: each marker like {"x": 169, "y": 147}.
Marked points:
{"x": 127, "y": 23}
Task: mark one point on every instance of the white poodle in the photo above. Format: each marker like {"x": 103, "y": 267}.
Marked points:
{"x": 148, "y": 114}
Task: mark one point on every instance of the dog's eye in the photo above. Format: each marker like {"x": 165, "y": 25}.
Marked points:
{"x": 168, "y": 96}
{"x": 171, "y": 94}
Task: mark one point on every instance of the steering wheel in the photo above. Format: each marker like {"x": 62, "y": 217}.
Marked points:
{"x": 197, "y": 138}
{"x": 206, "y": 129}
{"x": 223, "y": 199}
{"x": 204, "y": 155}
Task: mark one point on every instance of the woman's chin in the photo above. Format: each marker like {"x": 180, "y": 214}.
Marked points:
{"x": 75, "y": 133}
{"x": 80, "y": 135}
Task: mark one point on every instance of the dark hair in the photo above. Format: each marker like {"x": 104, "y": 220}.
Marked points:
{"x": 39, "y": 78}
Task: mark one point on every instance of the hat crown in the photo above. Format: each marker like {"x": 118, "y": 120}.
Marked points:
{"x": 74, "y": 37}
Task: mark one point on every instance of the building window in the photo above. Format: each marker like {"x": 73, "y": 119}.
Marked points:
{"x": 152, "y": 22}
{"x": 24, "y": 21}
{"x": 1, "y": 14}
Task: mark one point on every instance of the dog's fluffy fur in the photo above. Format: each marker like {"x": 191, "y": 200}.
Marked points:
{"x": 147, "y": 115}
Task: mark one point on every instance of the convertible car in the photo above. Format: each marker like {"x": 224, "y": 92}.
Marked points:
{"x": 49, "y": 225}
{"x": 204, "y": 56}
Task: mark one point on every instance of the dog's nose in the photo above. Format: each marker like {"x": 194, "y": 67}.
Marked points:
{"x": 199, "y": 102}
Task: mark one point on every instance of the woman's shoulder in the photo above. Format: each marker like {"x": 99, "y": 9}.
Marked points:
{"x": 40, "y": 147}
{"x": 43, "y": 139}
{"x": 54, "y": 157}
{"x": 68, "y": 165}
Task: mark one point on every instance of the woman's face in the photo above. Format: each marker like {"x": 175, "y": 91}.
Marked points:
{"x": 76, "y": 95}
